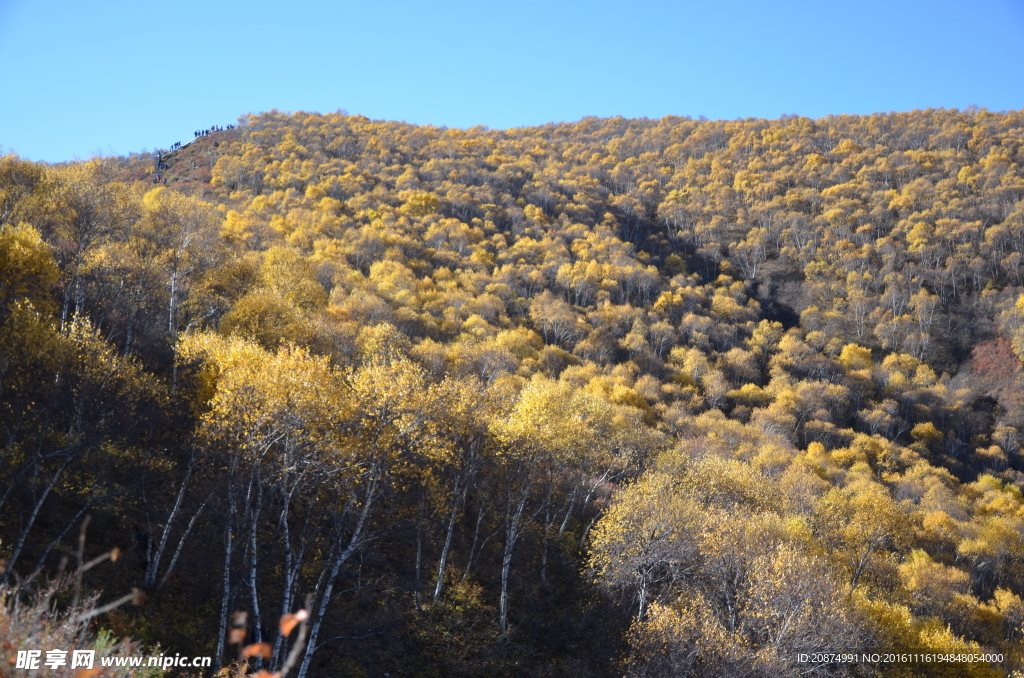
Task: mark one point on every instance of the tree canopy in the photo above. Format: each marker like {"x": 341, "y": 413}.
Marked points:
{"x": 664, "y": 397}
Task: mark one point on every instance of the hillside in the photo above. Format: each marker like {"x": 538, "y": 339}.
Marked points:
{"x": 657, "y": 397}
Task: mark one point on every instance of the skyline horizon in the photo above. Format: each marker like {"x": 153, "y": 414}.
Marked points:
{"x": 700, "y": 118}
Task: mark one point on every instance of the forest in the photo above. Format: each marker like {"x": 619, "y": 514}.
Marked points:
{"x": 620, "y": 397}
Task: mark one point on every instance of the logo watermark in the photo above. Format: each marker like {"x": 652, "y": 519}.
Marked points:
{"x": 35, "y": 660}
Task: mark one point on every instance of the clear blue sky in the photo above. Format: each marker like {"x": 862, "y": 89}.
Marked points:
{"x": 81, "y": 78}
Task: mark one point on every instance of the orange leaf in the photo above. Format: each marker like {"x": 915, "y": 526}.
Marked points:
{"x": 289, "y": 621}
{"x": 85, "y": 673}
{"x": 115, "y": 553}
{"x": 236, "y": 636}
{"x": 264, "y": 674}
{"x": 261, "y": 649}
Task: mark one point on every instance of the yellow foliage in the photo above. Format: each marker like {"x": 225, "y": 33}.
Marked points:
{"x": 854, "y": 357}
{"x": 27, "y": 268}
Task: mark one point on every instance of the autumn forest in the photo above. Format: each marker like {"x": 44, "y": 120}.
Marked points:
{"x": 641, "y": 398}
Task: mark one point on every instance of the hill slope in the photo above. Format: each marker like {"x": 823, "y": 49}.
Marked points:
{"x": 673, "y": 397}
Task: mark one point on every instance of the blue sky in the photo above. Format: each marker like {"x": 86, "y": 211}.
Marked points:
{"x": 79, "y": 79}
